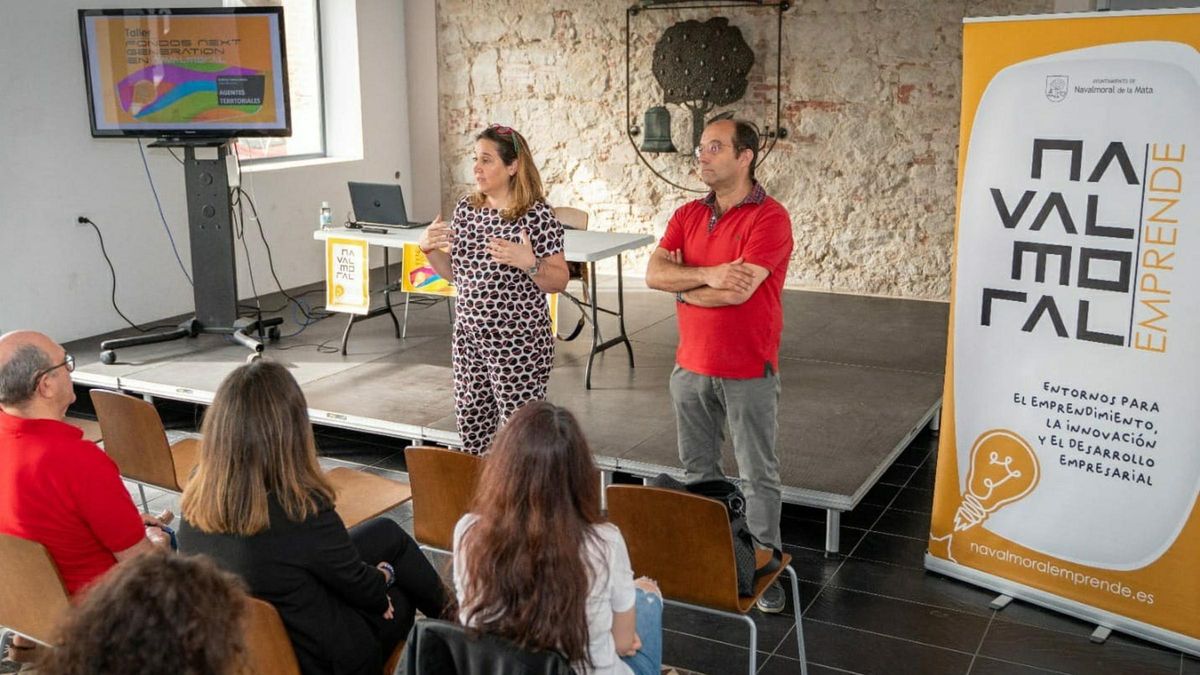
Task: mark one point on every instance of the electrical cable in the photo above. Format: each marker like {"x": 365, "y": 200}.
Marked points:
{"x": 163, "y": 217}
{"x": 113, "y": 273}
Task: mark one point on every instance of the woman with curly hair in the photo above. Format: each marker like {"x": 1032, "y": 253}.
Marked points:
{"x": 534, "y": 562}
{"x": 155, "y": 613}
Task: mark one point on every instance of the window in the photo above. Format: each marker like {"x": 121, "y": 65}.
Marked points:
{"x": 302, "y": 32}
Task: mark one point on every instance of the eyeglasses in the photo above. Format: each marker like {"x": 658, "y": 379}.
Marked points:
{"x": 710, "y": 148}
{"x": 68, "y": 363}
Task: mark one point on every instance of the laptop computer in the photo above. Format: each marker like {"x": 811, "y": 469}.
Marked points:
{"x": 380, "y": 204}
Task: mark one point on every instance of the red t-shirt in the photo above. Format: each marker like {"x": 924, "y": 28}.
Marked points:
{"x": 66, "y": 494}
{"x": 736, "y": 341}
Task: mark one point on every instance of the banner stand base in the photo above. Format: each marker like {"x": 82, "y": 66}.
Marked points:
{"x": 1103, "y": 619}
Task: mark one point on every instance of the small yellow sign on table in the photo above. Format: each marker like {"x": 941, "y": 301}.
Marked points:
{"x": 420, "y": 277}
{"x": 347, "y": 275}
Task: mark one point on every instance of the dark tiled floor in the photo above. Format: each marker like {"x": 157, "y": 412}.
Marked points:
{"x": 872, "y": 610}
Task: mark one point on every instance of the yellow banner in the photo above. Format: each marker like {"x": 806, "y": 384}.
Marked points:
{"x": 420, "y": 277}
{"x": 1069, "y": 458}
{"x": 347, "y": 275}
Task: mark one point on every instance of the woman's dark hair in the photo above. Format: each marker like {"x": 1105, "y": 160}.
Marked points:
{"x": 155, "y": 613}
{"x": 538, "y": 498}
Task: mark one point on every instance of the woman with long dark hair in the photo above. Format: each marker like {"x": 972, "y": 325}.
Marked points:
{"x": 535, "y": 562}
{"x": 503, "y": 251}
{"x": 259, "y": 505}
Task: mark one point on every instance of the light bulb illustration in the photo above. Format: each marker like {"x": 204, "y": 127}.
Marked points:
{"x": 1003, "y": 469}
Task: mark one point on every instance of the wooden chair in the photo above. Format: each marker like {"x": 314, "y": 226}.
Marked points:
{"x": 33, "y": 600}
{"x": 443, "y": 483}
{"x": 360, "y": 495}
{"x": 684, "y": 542}
{"x": 269, "y": 650}
{"x": 575, "y": 219}
{"x": 134, "y": 437}
{"x": 268, "y": 647}
{"x": 90, "y": 428}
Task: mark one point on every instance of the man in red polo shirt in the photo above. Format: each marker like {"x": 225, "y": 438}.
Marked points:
{"x": 56, "y": 488}
{"x": 725, "y": 258}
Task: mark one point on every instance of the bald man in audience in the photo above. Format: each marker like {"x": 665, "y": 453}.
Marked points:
{"x": 55, "y": 487}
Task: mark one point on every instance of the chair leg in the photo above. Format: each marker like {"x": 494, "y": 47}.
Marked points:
{"x": 404, "y": 331}
{"x": 142, "y": 492}
{"x": 799, "y": 626}
{"x": 753, "y": 642}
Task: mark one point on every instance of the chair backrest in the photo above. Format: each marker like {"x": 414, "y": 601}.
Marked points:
{"x": 436, "y": 647}
{"x": 33, "y": 600}
{"x": 134, "y": 438}
{"x": 573, "y": 218}
{"x": 681, "y": 540}
{"x": 443, "y": 483}
{"x": 268, "y": 647}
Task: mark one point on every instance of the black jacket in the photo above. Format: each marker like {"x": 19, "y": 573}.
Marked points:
{"x": 446, "y": 648}
{"x": 313, "y": 575}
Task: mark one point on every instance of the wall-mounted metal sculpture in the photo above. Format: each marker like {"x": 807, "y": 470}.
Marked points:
{"x": 699, "y": 66}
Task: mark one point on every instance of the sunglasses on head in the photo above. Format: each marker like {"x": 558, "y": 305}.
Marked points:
{"x": 508, "y": 132}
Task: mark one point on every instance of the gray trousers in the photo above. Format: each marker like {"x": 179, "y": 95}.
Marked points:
{"x": 703, "y": 405}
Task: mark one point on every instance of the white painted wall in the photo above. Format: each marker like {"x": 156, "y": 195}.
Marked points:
{"x": 420, "y": 21}
{"x": 52, "y": 277}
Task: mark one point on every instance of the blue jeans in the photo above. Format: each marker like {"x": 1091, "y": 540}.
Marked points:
{"x": 648, "y": 659}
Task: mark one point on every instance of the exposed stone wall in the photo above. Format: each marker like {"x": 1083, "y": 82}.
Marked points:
{"x": 870, "y": 101}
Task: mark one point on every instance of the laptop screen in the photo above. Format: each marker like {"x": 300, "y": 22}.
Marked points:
{"x": 378, "y": 203}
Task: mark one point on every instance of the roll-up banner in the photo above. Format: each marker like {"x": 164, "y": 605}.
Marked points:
{"x": 1069, "y": 458}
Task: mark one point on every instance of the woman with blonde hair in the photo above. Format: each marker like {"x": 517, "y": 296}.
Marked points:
{"x": 503, "y": 251}
{"x": 534, "y": 561}
{"x": 259, "y": 505}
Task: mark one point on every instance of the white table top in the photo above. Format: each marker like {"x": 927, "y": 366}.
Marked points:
{"x": 581, "y": 245}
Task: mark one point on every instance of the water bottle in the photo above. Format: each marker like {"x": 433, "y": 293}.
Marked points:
{"x": 326, "y": 216}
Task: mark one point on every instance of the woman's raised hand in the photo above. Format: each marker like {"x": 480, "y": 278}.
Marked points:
{"x": 518, "y": 254}
{"x": 436, "y": 236}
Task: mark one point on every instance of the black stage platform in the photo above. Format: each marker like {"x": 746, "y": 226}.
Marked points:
{"x": 861, "y": 377}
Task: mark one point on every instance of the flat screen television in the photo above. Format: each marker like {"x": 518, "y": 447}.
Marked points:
{"x": 215, "y": 72}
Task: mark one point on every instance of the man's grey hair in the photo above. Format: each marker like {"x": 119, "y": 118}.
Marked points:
{"x": 18, "y": 377}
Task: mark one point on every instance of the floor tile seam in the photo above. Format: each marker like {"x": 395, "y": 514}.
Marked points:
{"x": 810, "y": 662}
{"x": 893, "y": 637}
{"x": 842, "y": 562}
{"x": 980, "y": 615}
{"x": 835, "y": 668}
{"x": 894, "y": 534}
{"x": 916, "y": 513}
{"x": 860, "y": 541}
{"x": 1025, "y": 665}
{"x": 979, "y": 645}
{"x": 783, "y": 640}
{"x": 712, "y": 640}
{"x": 914, "y": 371}
{"x": 1155, "y": 649}
{"x": 1030, "y": 665}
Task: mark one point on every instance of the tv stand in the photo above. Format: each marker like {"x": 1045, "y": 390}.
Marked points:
{"x": 214, "y": 266}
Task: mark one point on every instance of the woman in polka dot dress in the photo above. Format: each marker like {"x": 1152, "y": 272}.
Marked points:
{"x": 503, "y": 250}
